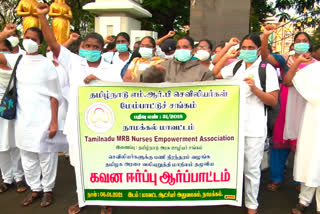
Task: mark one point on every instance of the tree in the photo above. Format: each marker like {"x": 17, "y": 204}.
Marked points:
{"x": 307, "y": 12}
{"x": 166, "y": 15}
{"x": 260, "y": 9}
{"x": 8, "y": 12}
{"x": 298, "y": 5}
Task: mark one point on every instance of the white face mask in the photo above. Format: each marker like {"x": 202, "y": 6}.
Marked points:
{"x": 202, "y": 55}
{"x": 146, "y": 52}
{"x": 169, "y": 56}
{"x": 30, "y": 46}
{"x": 49, "y": 55}
{"x": 14, "y": 41}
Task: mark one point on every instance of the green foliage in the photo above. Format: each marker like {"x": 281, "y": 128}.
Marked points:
{"x": 260, "y": 9}
{"x": 307, "y": 13}
{"x": 315, "y": 39}
{"x": 166, "y": 15}
{"x": 298, "y": 5}
{"x": 8, "y": 12}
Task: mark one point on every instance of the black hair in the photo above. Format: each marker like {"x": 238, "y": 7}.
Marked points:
{"x": 110, "y": 46}
{"x": 254, "y": 37}
{"x": 124, "y": 35}
{"x": 191, "y": 41}
{"x": 7, "y": 44}
{"x": 151, "y": 40}
{"x": 38, "y": 31}
{"x": 207, "y": 41}
{"x": 95, "y": 36}
{"x": 134, "y": 54}
{"x": 307, "y": 35}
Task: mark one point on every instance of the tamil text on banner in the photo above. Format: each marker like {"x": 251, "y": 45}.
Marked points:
{"x": 160, "y": 144}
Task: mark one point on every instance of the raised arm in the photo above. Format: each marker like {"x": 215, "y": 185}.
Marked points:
{"x": 42, "y": 10}
{"x": 73, "y": 37}
{"x": 169, "y": 35}
{"x": 265, "y": 53}
{"x": 8, "y": 30}
{"x": 221, "y": 63}
{"x": 303, "y": 58}
{"x": 232, "y": 42}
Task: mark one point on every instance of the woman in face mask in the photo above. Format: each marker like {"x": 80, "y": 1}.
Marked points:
{"x": 122, "y": 56}
{"x": 179, "y": 69}
{"x": 10, "y": 159}
{"x": 37, "y": 86}
{"x": 203, "y": 53}
{"x": 255, "y": 116}
{"x": 140, "y": 64}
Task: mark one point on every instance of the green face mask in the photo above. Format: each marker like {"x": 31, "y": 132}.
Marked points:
{"x": 90, "y": 55}
{"x": 249, "y": 55}
{"x": 183, "y": 55}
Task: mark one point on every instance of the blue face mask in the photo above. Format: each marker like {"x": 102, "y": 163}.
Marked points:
{"x": 248, "y": 55}
{"x": 5, "y": 52}
{"x": 90, "y": 55}
{"x": 122, "y": 47}
{"x": 301, "y": 48}
{"x": 213, "y": 56}
{"x": 183, "y": 55}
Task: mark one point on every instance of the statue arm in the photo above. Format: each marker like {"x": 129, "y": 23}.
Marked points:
{"x": 53, "y": 12}
{"x": 69, "y": 14}
{"x": 21, "y": 12}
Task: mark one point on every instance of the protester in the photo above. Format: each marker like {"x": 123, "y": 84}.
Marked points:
{"x": 80, "y": 70}
{"x": 203, "y": 53}
{"x": 307, "y": 159}
{"x": 168, "y": 47}
{"x": 10, "y": 160}
{"x": 138, "y": 65}
{"x": 279, "y": 151}
{"x": 295, "y": 102}
{"x": 255, "y": 115}
{"x": 122, "y": 56}
{"x": 14, "y": 41}
{"x": 225, "y": 49}
{"x": 37, "y": 85}
{"x": 180, "y": 69}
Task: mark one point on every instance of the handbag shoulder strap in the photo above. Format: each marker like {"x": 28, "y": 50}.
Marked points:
{"x": 13, "y": 75}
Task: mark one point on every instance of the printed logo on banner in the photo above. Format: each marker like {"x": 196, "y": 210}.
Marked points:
{"x": 99, "y": 117}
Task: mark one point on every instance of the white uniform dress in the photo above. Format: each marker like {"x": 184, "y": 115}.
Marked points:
{"x": 10, "y": 161}
{"x": 78, "y": 69}
{"x": 114, "y": 58}
{"x": 255, "y": 125}
{"x": 37, "y": 81}
{"x": 307, "y": 158}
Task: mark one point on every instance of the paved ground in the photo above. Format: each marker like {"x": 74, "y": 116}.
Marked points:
{"x": 279, "y": 202}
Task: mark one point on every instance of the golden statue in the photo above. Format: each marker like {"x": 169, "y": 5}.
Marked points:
{"x": 28, "y": 9}
{"x": 61, "y": 14}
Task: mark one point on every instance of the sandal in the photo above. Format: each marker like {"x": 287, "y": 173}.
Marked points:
{"x": 74, "y": 209}
{"x": 299, "y": 209}
{"x": 46, "y": 199}
{"x": 106, "y": 210}
{"x": 30, "y": 198}
{"x": 4, "y": 187}
{"x": 274, "y": 186}
{"x": 21, "y": 186}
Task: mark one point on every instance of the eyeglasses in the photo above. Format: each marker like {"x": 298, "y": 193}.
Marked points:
{"x": 203, "y": 47}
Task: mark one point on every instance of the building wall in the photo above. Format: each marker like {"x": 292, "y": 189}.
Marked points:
{"x": 219, "y": 20}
